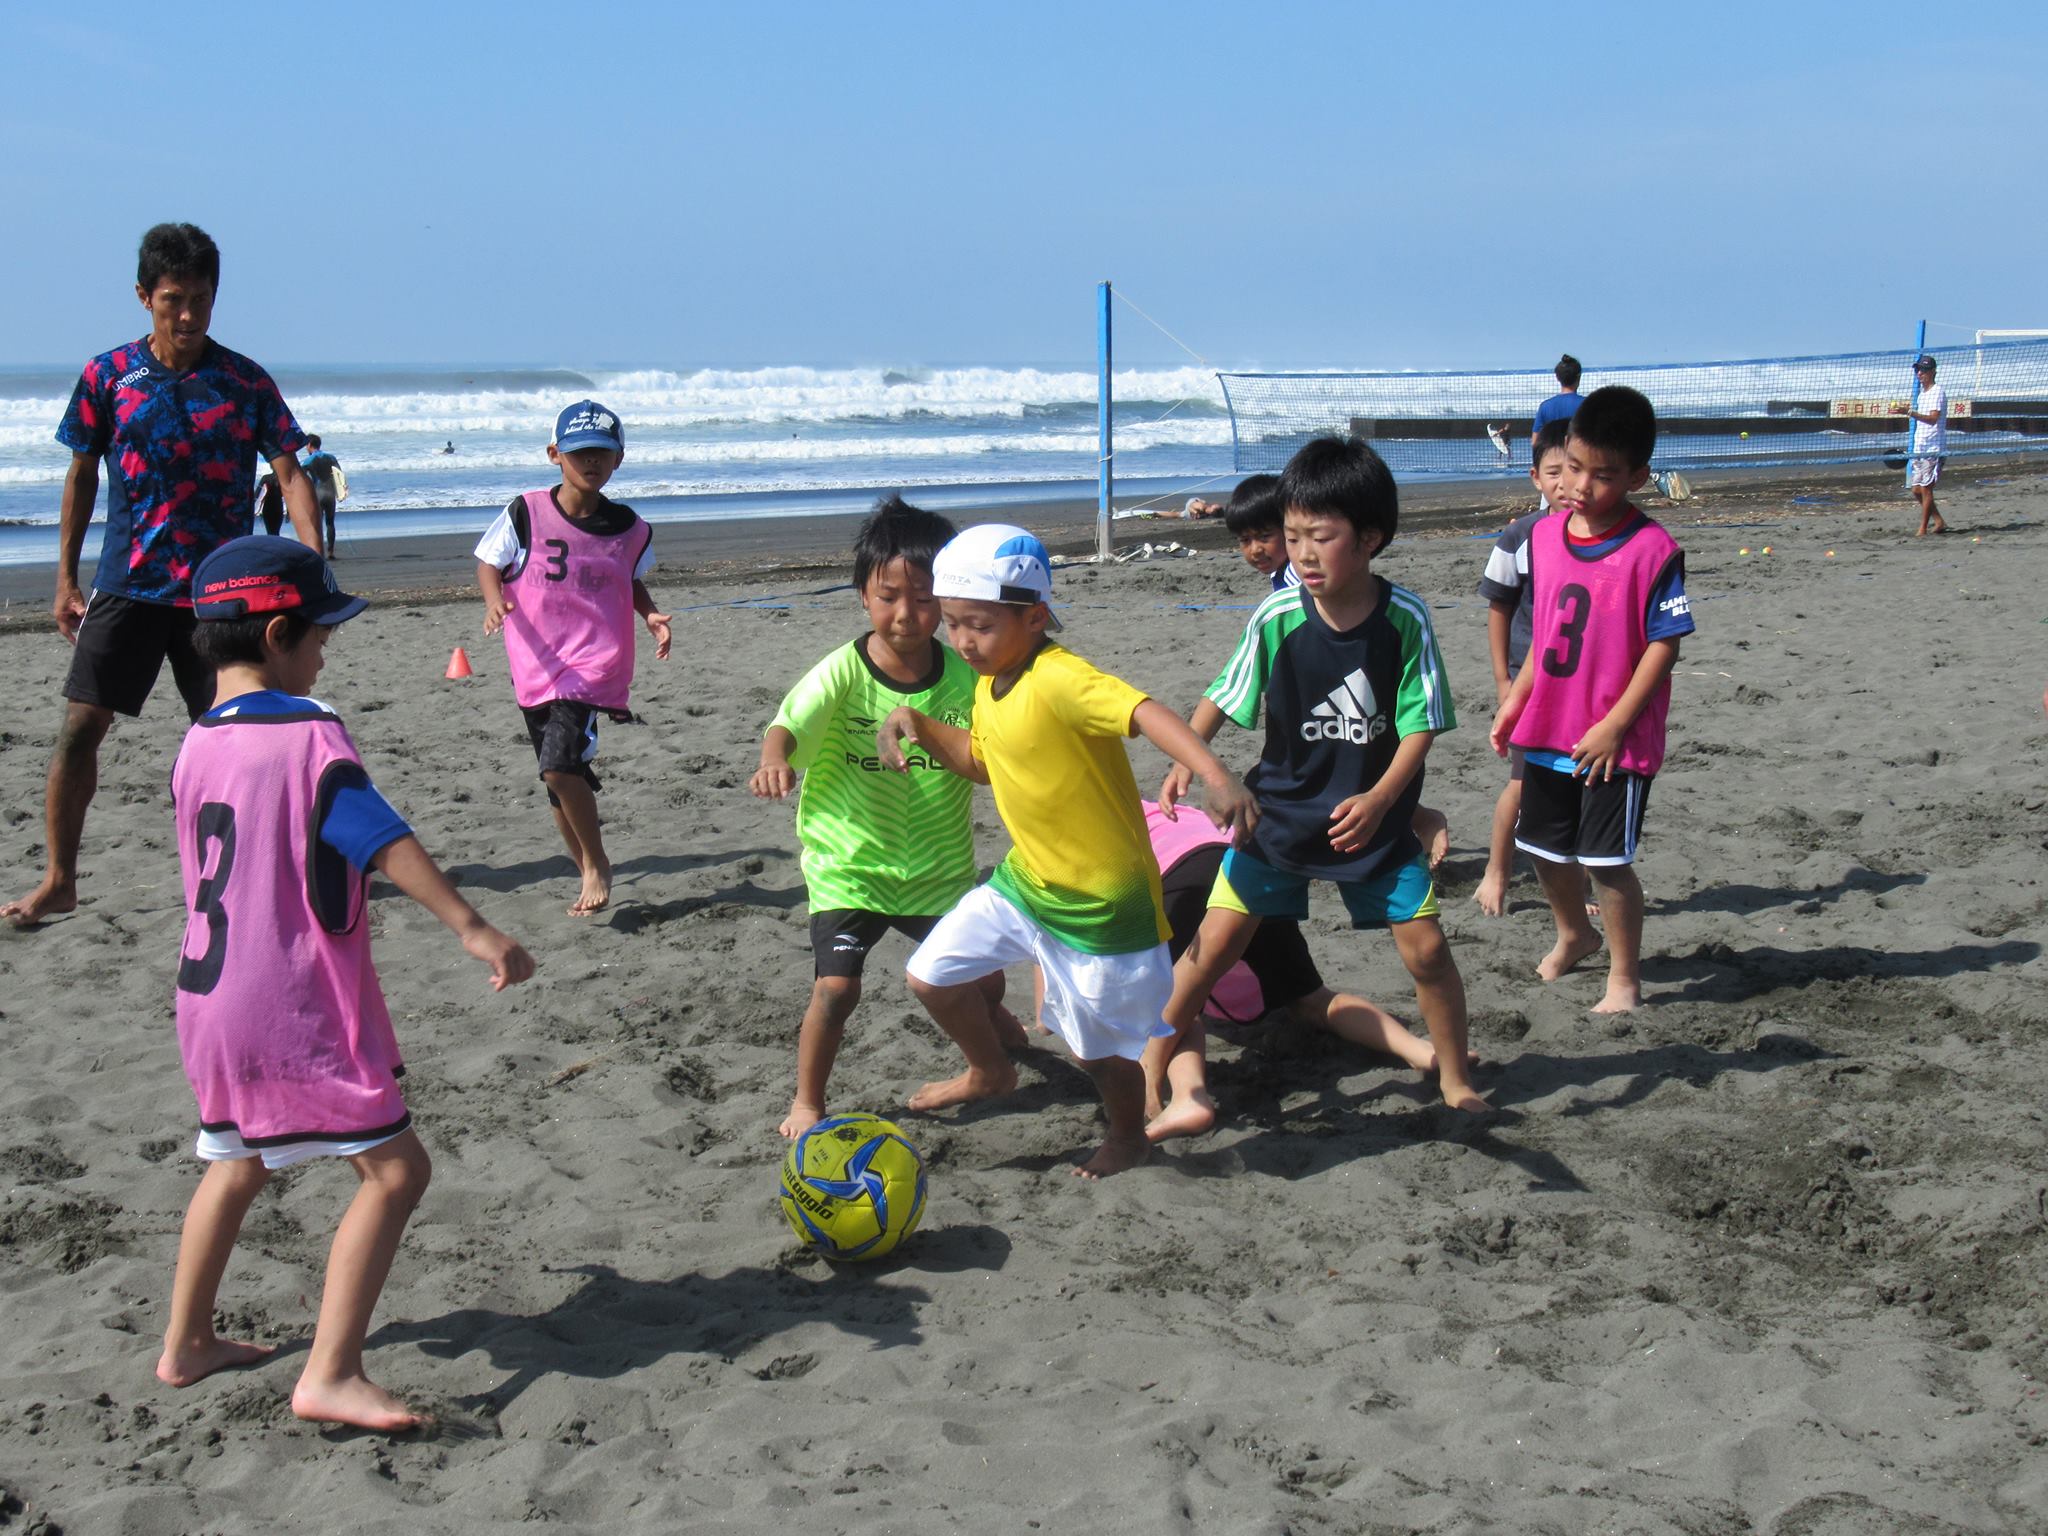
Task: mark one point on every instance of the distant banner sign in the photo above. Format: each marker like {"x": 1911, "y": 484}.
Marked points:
{"x": 1887, "y": 407}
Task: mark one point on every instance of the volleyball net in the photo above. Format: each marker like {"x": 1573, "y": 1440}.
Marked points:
{"x": 1848, "y": 408}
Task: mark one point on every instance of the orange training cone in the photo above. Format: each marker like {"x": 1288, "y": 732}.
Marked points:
{"x": 458, "y": 665}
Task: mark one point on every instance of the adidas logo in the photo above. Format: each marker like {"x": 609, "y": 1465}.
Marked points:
{"x": 1350, "y": 713}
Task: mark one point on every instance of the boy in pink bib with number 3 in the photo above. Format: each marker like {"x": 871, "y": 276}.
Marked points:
{"x": 563, "y": 572}
{"x": 281, "y": 1020}
{"x": 1587, "y": 709}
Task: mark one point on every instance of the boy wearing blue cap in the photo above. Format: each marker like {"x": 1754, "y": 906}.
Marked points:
{"x": 282, "y": 1025}
{"x": 1079, "y": 893}
{"x": 563, "y": 573}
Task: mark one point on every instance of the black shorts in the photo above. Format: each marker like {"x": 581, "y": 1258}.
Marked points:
{"x": 1572, "y": 820}
{"x": 564, "y": 735}
{"x": 1277, "y": 956}
{"x": 121, "y": 648}
{"x": 841, "y": 938}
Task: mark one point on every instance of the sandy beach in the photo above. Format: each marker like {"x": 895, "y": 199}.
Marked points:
{"x": 1768, "y": 1255}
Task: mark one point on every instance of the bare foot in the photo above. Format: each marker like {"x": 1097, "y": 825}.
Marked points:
{"x": 1568, "y": 952}
{"x": 965, "y": 1089}
{"x": 596, "y": 894}
{"x": 1434, "y": 828}
{"x": 1009, "y": 1028}
{"x": 1190, "y": 1114}
{"x": 358, "y": 1401}
{"x": 1621, "y": 998}
{"x": 1492, "y": 895}
{"x": 1466, "y": 1100}
{"x": 182, "y": 1367}
{"x": 52, "y": 898}
{"x": 801, "y": 1118}
{"x": 1592, "y": 909}
{"x": 1113, "y": 1156}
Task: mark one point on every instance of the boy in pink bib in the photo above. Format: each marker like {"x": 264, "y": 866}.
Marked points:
{"x": 563, "y": 572}
{"x": 281, "y": 1021}
{"x": 1587, "y": 709}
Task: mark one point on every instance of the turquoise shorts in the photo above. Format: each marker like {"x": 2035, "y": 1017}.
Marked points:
{"x": 1399, "y": 893}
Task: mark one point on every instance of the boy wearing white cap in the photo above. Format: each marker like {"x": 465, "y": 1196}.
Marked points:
{"x": 1079, "y": 893}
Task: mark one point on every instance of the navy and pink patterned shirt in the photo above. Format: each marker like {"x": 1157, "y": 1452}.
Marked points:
{"x": 180, "y": 453}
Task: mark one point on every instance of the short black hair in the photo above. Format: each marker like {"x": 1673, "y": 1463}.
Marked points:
{"x": 896, "y": 530}
{"x": 1255, "y": 506}
{"x": 1567, "y": 371}
{"x": 1620, "y": 420}
{"x": 239, "y": 642}
{"x": 1550, "y": 439}
{"x": 177, "y": 250}
{"x": 312, "y": 439}
{"x": 1343, "y": 477}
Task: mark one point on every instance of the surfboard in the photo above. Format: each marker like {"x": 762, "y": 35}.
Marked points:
{"x": 340, "y": 485}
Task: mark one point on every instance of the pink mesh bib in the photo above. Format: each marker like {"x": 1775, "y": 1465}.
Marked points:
{"x": 570, "y": 632}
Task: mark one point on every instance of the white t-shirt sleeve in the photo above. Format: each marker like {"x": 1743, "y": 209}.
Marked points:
{"x": 500, "y": 544}
{"x": 645, "y": 563}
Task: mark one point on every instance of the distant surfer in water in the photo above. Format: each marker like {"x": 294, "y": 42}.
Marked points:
{"x": 449, "y": 446}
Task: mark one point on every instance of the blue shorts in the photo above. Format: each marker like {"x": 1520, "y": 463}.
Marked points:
{"x": 1398, "y": 893}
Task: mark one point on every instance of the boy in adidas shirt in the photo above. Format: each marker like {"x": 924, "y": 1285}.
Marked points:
{"x": 1347, "y": 668}
{"x": 881, "y": 849}
{"x": 1588, "y": 707}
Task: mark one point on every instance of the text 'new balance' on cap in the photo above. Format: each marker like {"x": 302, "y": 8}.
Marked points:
{"x": 262, "y": 574}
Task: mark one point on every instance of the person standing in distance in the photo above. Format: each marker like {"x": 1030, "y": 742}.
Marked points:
{"x": 180, "y": 422}
{"x": 320, "y": 468}
{"x": 1930, "y": 443}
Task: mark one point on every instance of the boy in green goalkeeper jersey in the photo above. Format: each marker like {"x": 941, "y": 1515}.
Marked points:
{"x": 881, "y": 849}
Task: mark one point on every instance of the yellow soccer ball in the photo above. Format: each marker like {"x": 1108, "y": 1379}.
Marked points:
{"x": 852, "y": 1187}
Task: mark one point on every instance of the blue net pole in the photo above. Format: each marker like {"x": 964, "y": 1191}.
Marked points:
{"x": 1104, "y": 485}
{"x": 1839, "y": 409}
{"x": 1919, "y": 346}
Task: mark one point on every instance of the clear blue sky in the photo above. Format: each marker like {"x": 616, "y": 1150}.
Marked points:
{"x": 679, "y": 185}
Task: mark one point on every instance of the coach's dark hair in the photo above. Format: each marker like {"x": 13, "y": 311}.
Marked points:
{"x": 1255, "y": 506}
{"x": 1343, "y": 477}
{"x": 1550, "y": 439}
{"x": 177, "y": 250}
{"x": 896, "y": 530}
{"x": 1620, "y": 420}
{"x": 1567, "y": 371}
{"x": 239, "y": 642}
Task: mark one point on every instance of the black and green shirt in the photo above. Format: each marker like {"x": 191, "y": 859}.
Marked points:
{"x": 1337, "y": 705}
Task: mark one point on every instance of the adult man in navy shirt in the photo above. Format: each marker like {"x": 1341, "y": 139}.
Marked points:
{"x": 1563, "y": 405}
{"x": 180, "y": 422}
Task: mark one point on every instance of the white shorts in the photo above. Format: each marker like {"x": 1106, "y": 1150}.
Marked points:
{"x": 228, "y": 1147}
{"x": 1924, "y": 471}
{"x": 1101, "y": 1005}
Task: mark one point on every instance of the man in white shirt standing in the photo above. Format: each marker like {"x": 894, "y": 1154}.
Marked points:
{"x": 1930, "y": 442}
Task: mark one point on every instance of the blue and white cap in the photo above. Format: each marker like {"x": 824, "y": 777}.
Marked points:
{"x": 994, "y": 563}
{"x": 586, "y": 424}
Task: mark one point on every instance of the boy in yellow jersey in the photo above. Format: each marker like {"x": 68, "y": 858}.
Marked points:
{"x": 1079, "y": 893}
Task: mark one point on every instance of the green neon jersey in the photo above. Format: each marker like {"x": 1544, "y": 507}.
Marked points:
{"x": 875, "y": 840}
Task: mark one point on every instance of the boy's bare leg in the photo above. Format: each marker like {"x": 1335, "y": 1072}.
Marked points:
{"x": 1564, "y": 887}
{"x": 1122, "y": 1086}
{"x": 577, "y": 814}
{"x": 1440, "y": 995}
{"x": 833, "y": 999}
{"x": 1492, "y": 895}
{"x": 213, "y": 1221}
{"x": 962, "y": 1012}
{"x": 333, "y": 1388}
{"x": 1621, "y": 903}
{"x": 1009, "y": 1028}
{"x": 73, "y": 779}
{"x": 1218, "y": 944}
{"x": 1931, "y": 521}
